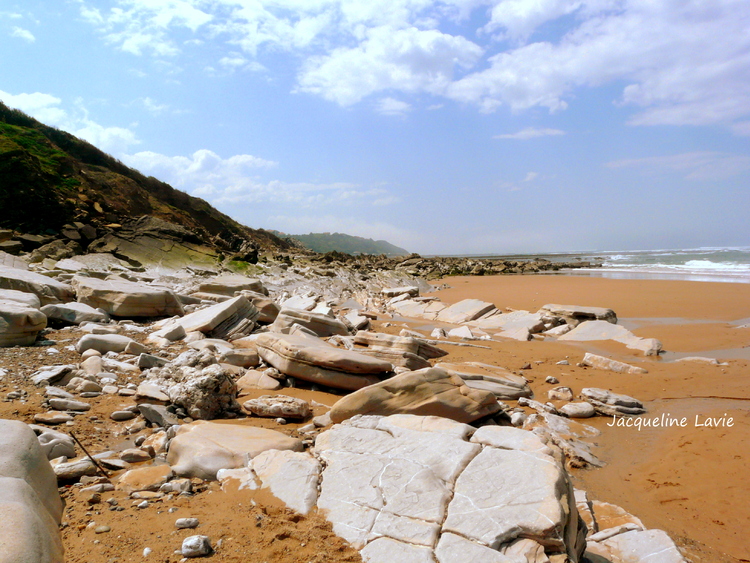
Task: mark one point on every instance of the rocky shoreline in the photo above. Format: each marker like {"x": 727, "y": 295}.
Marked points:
{"x": 183, "y": 382}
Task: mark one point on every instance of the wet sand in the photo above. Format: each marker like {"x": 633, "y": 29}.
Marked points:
{"x": 690, "y": 481}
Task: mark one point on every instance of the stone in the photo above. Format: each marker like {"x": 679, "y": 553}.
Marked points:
{"x": 611, "y": 404}
{"x": 201, "y": 448}
{"x": 508, "y": 322}
{"x": 321, "y": 325}
{"x": 103, "y": 343}
{"x": 254, "y": 379}
{"x": 148, "y": 391}
{"x": 149, "y": 478}
{"x": 231, "y": 284}
{"x": 314, "y": 360}
{"x": 409, "y": 344}
{"x": 236, "y": 315}
{"x": 301, "y": 303}
{"x": 272, "y": 406}
{"x": 158, "y": 415}
{"x": 216, "y": 346}
{"x": 54, "y": 444}
{"x": 73, "y": 313}
{"x": 397, "y": 358}
{"x": 19, "y": 324}
{"x": 93, "y": 365}
{"x": 148, "y": 361}
{"x": 120, "y": 416}
{"x": 266, "y": 306}
{"x": 574, "y": 314}
{"x": 502, "y": 383}
{"x": 560, "y": 394}
{"x": 600, "y": 362}
{"x": 30, "y": 300}
{"x": 196, "y": 546}
{"x": 412, "y": 488}
{"x": 639, "y": 547}
{"x": 464, "y": 311}
{"x": 69, "y": 405}
{"x": 578, "y": 410}
{"x": 409, "y": 290}
{"x": 427, "y": 392}
{"x": 52, "y": 374}
{"x": 205, "y": 394}
{"x": 603, "y": 330}
{"x": 290, "y": 476}
{"x": 356, "y": 321}
{"x": 48, "y": 290}
{"x": 122, "y": 298}
{"x": 73, "y": 470}
{"x": 171, "y": 332}
{"x": 243, "y": 357}
{"x": 53, "y": 418}
{"x": 186, "y": 523}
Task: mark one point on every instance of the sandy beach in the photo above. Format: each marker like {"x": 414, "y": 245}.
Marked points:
{"x": 689, "y": 481}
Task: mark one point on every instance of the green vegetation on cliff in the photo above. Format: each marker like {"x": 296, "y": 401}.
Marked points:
{"x": 327, "y": 242}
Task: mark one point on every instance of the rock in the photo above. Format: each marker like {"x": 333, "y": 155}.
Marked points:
{"x": 501, "y": 382}
{"x": 147, "y": 361}
{"x": 266, "y": 306}
{"x": 158, "y": 415}
{"x": 464, "y": 311}
{"x": 321, "y": 325}
{"x": 431, "y": 391}
{"x": 52, "y": 374}
{"x": 148, "y": 391}
{"x": 122, "y": 298}
{"x": 120, "y": 416}
{"x": 201, "y": 448}
{"x": 171, "y": 332}
{"x": 315, "y": 361}
{"x": 611, "y": 404}
{"x": 54, "y": 444}
{"x": 574, "y": 314}
{"x": 356, "y": 321}
{"x": 230, "y": 285}
{"x": 256, "y": 380}
{"x": 234, "y": 316}
{"x": 216, "y": 346}
{"x": 514, "y": 321}
{"x": 19, "y": 324}
{"x": 74, "y": 313}
{"x": 412, "y": 488}
{"x": 196, "y": 546}
{"x": 290, "y": 476}
{"x": 463, "y": 332}
{"x": 409, "y": 344}
{"x": 30, "y": 300}
{"x": 560, "y": 394}
{"x": 600, "y": 362}
{"x": 578, "y": 410}
{"x": 397, "y": 358}
{"x": 144, "y": 478}
{"x": 639, "y": 547}
{"x": 272, "y": 406}
{"x": 243, "y": 357}
{"x": 69, "y": 405}
{"x": 301, "y": 303}
{"x": 46, "y": 289}
{"x": 603, "y": 330}
{"x": 411, "y": 291}
{"x": 205, "y": 394}
{"x": 93, "y": 365}
{"x": 186, "y": 523}
{"x": 566, "y": 435}
{"x": 52, "y": 418}
{"x": 73, "y": 470}
{"x": 103, "y": 343}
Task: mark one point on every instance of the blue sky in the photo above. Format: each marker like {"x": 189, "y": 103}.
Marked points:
{"x": 457, "y": 126}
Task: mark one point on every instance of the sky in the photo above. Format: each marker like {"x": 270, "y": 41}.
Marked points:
{"x": 444, "y": 127}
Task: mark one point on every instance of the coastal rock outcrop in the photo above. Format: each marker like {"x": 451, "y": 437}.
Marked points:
{"x": 123, "y": 298}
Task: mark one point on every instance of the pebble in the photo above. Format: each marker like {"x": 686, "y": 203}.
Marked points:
{"x": 552, "y": 380}
{"x": 102, "y": 529}
{"x": 563, "y": 363}
{"x": 122, "y": 415}
{"x": 182, "y": 523}
{"x": 143, "y": 504}
{"x": 196, "y": 546}
{"x": 146, "y": 551}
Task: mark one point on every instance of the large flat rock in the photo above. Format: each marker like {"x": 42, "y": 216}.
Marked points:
{"x": 312, "y": 359}
{"x": 644, "y": 546}
{"x": 464, "y": 311}
{"x": 124, "y": 298}
{"x": 201, "y": 448}
{"x": 604, "y": 330}
{"x": 499, "y": 381}
{"x": 222, "y": 315}
{"x": 19, "y": 323}
{"x": 230, "y": 284}
{"x": 427, "y": 392}
{"x": 320, "y": 324}
{"x": 47, "y": 289}
{"x": 574, "y": 314}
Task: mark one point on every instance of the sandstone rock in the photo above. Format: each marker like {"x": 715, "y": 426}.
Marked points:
{"x": 397, "y": 358}
{"x": 206, "y": 394}
{"x": 52, "y": 418}
{"x": 148, "y": 391}
{"x": 272, "y": 406}
{"x": 313, "y": 360}
{"x": 266, "y": 306}
{"x": 431, "y": 391}
{"x": 321, "y": 325}
{"x": 19, "y": 324}
{"x": 230, "y": 285}
{"x": 235, "y": 316}
{"x": 201, "y": 448}
{"x": 512, "y": 321}
{"x": 403, "y": 343}
{"x": 243, "y": 357}
{"x": 74, "y": 313}
{"x": 290, "y": 476}
{"x": 574, "y": 314}
{"x": 256, "y": 380}
{"x": 600, "y": 362}
{"x": 54, "y": 444}
{"x": 186, "y": 523}
{"x": 30, "y": 300}
{"x": 301, "y": 303}
{"x": 103, "y": 343}
{"x": 73, "y": 470}
{"x": 69, "y": 405}
{"x": 501, "y": 382}
{"x": 157, "y": 414}
{"x": 612, "y": 404}
{"x": 603, "y": 330}
{"x": 578, "y": 410}
{"x": 52, "y": 374}
{"x": 411, "y": 291}
{"x": 560, "y": 394}
{"x": 639, "y": 547}
{"x": 464, "y": 311}
{"x": 47, "y": 289}
{"x": 196, "y": 546}
{"x": 144, "y": 478}
{"x": 123, "y": 298}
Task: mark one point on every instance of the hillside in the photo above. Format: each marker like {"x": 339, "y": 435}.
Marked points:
{"x": 50, "y": 178}
{"x": 327, "y": 242}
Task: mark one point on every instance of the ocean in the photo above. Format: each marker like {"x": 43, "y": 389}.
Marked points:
{"x": 725, "y": 264}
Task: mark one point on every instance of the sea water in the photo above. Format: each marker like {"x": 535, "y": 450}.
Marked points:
{"x": 726, "y": 264}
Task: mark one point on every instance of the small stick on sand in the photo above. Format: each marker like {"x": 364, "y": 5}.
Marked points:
{"x": 89, "y": 456}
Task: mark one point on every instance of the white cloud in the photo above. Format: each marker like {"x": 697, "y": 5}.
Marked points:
{"x": 391, "y": 106}
{"x": 531, "y": 176}
{"x": 701, "y": 165}
{"x": 530, "y": 133}
{"x": 24, "y": 34}
{"x": 152, "y": 106}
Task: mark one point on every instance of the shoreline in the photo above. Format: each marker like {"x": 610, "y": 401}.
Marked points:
{"x": 668, "y": 476}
